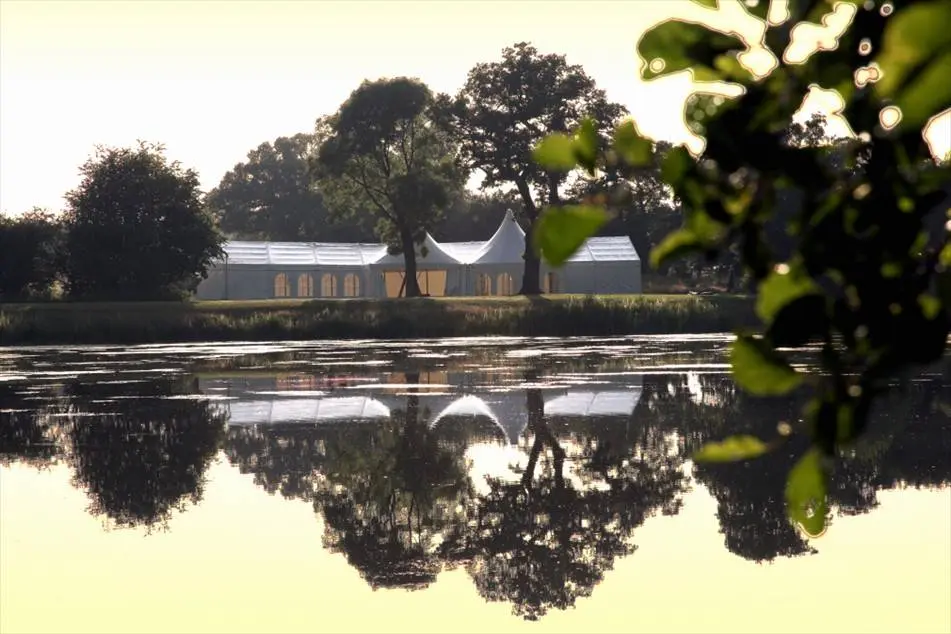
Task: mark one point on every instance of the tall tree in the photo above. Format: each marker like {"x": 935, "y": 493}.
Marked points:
{"x": 29, "y": 263}
{"x": 137, "y": 227}
{"x": 505, "y": 108}
{"x": 269, "y": 196}
{"x": 382, "y": 152}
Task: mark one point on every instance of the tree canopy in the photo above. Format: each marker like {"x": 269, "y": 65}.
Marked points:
{"x": 136, "y": 227}
{"x": 381, "y": 153}
{"x": 29, "y": 254}
{"x": 505, "y": 108}
{"x": 269, "y": 197}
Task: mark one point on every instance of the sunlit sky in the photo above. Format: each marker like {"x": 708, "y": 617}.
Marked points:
{"x": 212, "y": 80}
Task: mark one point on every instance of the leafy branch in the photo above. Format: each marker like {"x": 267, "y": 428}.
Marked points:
{"x": 868, "y": 278}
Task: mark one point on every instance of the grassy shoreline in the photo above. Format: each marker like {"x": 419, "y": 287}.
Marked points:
{"x": 170, "y": 322}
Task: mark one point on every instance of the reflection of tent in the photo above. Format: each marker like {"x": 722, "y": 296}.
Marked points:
{"x": 305, "y": 410}
{"x": 592, "y": 404}
{"x": 469, "y": 407}
{"x": 261, "y": 270}
{"x": 255, "y": 402}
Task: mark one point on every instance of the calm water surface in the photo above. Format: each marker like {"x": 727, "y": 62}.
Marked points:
{"x": 459, "y": 485}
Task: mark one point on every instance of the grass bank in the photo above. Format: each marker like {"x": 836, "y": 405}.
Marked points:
{"x": 158, "y": 322}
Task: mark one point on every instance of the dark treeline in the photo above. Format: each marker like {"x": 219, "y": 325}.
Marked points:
{"x": 389, "y": 165}
{"x": 401, "y": 504}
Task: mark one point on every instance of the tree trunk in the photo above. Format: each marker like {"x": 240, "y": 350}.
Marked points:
{"x": 409, "y": 258}
{"x": 531, "y": 276}
{"x": 543, "y": 435}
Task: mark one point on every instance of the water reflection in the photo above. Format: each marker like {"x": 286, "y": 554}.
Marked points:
{"x": 138, "y": 457}
{"x": 531, "y": 474}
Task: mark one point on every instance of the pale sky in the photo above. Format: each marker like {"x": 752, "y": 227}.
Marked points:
{"x": 212, "y": 80}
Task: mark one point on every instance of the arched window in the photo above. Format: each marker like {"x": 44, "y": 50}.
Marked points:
{"x": 550, "y": 283}
{"x": 483, "y": 284}
{"x": 305, "y": 285}
{"x": 351, "y": 285}
{"x": 503, "y": 284}
{"x": 282, "y": 285}
{"x": 328, "y": 285}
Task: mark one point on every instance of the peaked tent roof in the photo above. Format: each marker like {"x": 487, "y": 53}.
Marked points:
{"x": 506, "y": 246}
{"x": 435, "y": 254}
{"x": 463, "y": 251}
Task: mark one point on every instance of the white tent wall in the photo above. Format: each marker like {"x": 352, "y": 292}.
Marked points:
{"x": 617, "y": 278}
{"x": 213, "y": 286}
{"x": 575, "y": 277}
{"x": 496, "y": 283}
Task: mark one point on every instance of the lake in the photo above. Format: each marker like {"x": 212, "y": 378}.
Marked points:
{"x": 478, "y": 485}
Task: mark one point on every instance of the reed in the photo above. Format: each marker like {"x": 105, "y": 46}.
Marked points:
{"x": 160, "y": 322}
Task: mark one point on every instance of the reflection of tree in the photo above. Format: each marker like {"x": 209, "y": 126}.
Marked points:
{"x": 541, "y": 542}
{"x": 388, "y": 502}
{"x": 750, "y": 504}
{"x": 909, "y": 444}
{"x": 397, "y": 501}
{"x": 287, "y": 459}
{"x": 24, "y": 431}
{"x": 140, "y": 459}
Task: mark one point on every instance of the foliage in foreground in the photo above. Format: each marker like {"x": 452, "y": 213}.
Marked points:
{"x": 867, "y": 277}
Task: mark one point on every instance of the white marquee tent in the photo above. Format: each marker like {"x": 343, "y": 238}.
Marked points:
{"x": 263, "y": 270}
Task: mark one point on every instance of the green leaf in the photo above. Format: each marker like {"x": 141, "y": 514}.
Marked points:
{"x": 585, "y": 145}
{"x": 560, "y": 231}
{"x": 699, "y": 233}
{"x": 713, "y": 4}
{"x": 741, "y": 447}
{"x": 681, "y": 45}
{"x": 783, "y": 285}
{"x": 806, "y": 494}
{"x": 676, "y": 165}
{"x": 930, "y": 306}
{"x": 634, "y": 149}
{"x": 927, "y": 94}
{"x": 945, "y": 257}
{"x": 760, "y": 370}
{"x": 555, "y": 153}
{"x": 915, "y": 53}
{"x": 675, "y": 244}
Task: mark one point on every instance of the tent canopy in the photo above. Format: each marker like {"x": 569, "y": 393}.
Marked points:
{"x": 253, "y": 270}
{"x": 311, "y": 254}
{"x": 506, "y": 246}
{"x": 435, "y": 255}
